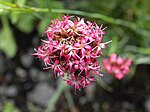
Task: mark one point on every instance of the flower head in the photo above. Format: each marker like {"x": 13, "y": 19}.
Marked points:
{"x": 117, "y": 66}
{"x": 72, "y": 49}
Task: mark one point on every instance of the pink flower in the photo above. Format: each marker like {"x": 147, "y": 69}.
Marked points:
{"x": 72, "y": 49}
{"x": 117, "y": 66}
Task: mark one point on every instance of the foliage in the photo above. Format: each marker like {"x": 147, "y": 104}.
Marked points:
{"x": 25, "y": 20}
{"x": 127, "y": 21}
{"x": 9, "y": 107}
{"x": 128, "y": 26}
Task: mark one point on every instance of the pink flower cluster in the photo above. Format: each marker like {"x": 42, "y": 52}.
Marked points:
{"x": 72, "y": 49}
{"x": 117, "y": 66}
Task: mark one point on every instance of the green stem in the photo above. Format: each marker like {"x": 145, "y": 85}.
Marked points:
{"x": 133, "y": 26}
{"x": 51, "y": 104}
{"x": 8, "y": 4}
{"x": 104, "y": 85}
{"x": 125, "y": 23}
{"x": 70, "y": 100}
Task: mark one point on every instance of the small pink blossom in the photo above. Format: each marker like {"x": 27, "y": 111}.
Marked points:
{"x": 72, "y": 49}
{"x": 117, "y": 66}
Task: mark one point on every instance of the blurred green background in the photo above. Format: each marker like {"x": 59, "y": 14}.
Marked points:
{"x": 22, "y": 23}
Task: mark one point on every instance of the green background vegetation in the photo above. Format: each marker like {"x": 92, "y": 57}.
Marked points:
{"x": 127, "y": 21}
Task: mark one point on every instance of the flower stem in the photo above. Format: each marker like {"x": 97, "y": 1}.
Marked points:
{"x": 104, "y": 85}
{"x": 70, "y": 100}
{"x": 51, "y": 104}
{"x": 29, "y": 9}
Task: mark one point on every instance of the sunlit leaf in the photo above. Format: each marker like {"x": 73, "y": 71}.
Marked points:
{"x": 7, "y": 42}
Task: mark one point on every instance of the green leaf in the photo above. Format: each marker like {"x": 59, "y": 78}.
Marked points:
{"x": 21, "y": 2}
{"x": 2, "y": 9}
{"x": 143, "y": 60}
{"x": 144, "y": 50}
{"x": 43, "y": 24}
{"x": 7, "y": 42}
{"x": 25, "y": 23}
{"x": 113, "y": 45}
{"x": 135, "y": 49}
{"x": 9, "y": 107}
{"x": 15, "y": 16}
